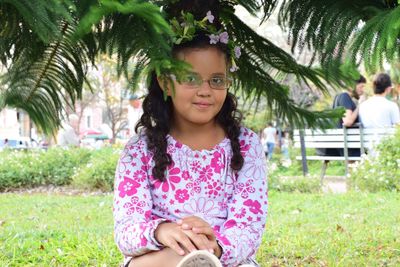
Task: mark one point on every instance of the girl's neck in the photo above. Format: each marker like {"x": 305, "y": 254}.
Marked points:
{"x": 198, "y": 137}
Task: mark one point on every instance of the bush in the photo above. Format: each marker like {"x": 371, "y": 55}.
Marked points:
{"x": 32, "y": 168}
{"x": 298, "y": 183}
{"x": 99, "y": 172}
{"x": 381, "y": 171}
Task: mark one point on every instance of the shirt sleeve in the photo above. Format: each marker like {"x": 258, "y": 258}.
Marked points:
{"x": 134, "y": 224}
{"x": 395, "y": 114}
{"x": 241, "y": 234}
{"x": 344, "y": 100}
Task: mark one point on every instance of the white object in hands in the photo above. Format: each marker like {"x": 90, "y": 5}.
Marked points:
{"x": 200, "y": 258}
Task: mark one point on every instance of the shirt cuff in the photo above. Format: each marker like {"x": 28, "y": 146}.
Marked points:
{"x": 152, "y": 236}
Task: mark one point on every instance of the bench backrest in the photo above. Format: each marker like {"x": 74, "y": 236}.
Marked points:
{"x": 336, "y": 138}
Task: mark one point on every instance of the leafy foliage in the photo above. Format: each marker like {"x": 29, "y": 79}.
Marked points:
{"x": 47, "y": 47}
{"x": 99, "y": 172}
{"x": 379, "y": 171}
{"x": 34, "y": 168}
{"x": 338, "y": 31}
{"x": 38, "y": 81}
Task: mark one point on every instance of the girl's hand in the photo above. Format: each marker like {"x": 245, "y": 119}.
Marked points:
{"x": 199, "y": 226}
{"x": 173, "y": 236}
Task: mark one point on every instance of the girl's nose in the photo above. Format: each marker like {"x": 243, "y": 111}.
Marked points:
{"x": 204, "y": 89}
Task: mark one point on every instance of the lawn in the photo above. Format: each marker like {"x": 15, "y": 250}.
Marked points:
{"x": 353, "y": 229}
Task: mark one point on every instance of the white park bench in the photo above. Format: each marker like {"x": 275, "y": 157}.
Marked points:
{"x": 362, "y": 138}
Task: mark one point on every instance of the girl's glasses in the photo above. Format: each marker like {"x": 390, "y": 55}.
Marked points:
{"x": 194, "y": 80}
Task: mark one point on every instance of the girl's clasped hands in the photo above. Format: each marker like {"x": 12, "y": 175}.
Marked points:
{"x": 187, "y": 235}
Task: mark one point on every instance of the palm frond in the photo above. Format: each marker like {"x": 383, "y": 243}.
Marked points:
{"x": 40, "y": 86}
{"x": 260, "y": 62}
{"x": 339, "y": 30}
{"x": 25, "y": 22}
{"x": 127, "y": 29}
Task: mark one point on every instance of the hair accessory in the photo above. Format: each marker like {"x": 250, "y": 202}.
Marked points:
{"x": 186, "y": 27}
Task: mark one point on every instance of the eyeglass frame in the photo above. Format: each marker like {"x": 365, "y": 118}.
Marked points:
{"x": 228, "y": 82}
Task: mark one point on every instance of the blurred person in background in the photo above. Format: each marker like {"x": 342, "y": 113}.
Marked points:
{"x": 378, "y": 111}
{"x": 67, "y": 136}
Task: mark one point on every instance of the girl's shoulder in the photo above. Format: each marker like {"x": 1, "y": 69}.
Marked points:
{"x": 248, "y": 136}
{"x": 137, "y": 143}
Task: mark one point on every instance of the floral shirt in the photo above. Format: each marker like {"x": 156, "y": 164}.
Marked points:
{"x": 199, "y": 183}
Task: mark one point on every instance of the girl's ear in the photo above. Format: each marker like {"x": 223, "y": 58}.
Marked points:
{"x": 164, "y": 85}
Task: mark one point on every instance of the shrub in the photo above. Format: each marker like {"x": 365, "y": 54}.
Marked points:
{"x": 298, "y": 183}
{"x": 381, "y": 171}
{"x": 99, "y": 172}
{"x": 36, "y": 167}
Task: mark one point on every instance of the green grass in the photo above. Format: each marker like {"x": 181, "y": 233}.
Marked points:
{"x": 335, "y": 168}
{"x": 302, "y": 230}
{"x": 41, "y": 230}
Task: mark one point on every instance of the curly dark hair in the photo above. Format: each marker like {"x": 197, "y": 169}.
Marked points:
{"x": 157, "y": 115}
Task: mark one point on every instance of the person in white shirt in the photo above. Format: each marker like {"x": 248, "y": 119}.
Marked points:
{"x": 377, "y": 111}
{"x": 269, "y": 136}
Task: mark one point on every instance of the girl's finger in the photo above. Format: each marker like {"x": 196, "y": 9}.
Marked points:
{"x": 175, "y": 247}
{"x": 185, "y": 242}
{"x": 209, "y": 232}
{"x": 200, "y": 241}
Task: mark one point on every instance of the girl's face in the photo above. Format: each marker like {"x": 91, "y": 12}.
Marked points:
{"x": 200, "y": 96}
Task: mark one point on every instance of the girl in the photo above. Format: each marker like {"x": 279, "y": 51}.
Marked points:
{"x": 191, "y": 187}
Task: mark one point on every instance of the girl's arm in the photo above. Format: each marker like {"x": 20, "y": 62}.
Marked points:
{"x": 134, "y": 225}
{"x": 240, "y": 236}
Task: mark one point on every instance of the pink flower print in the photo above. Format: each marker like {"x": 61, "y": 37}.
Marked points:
{"x": 194, "y": 188}
{"x": 143, "y": 240}
{"x": 124, "y": 161}
{"x": 223, "y": 239}
{"x": 195, "y": 166}
{"x": 223, "y": 205}
{"x": 245, "y": 188}
{"x": 139, "y": 175}
{"x": 206, "y": 173}
{"x": 127, "y": 187}
{"x": 229, "y": 224}
{"x": 255, "y": 164}
{"x": 181, "y": 195}
{"x": 244, "y": 147}
{"x": 185, "y": 175}
{"x": 214, "y": 188}
{"x": 216, "y": 162}
{"x": 241, "y": 214}
{"x": 178, "y": 145}
{"x": 255, "y": 206}
{"x": 147, "y": 215}
{"x": 201, "y": 206}
{"x": 134, "y": 205}
{"x": 145, "y": 163}
{"x": 171, "y": 179}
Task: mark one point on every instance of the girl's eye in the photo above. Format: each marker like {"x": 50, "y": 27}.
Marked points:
{"x": 191, "y": 79}
{"x": 218, "y": 81}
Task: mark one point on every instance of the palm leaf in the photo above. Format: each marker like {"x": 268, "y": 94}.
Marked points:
{"x": 335, "y": 31}
{"x": 40, "y": 87}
